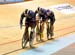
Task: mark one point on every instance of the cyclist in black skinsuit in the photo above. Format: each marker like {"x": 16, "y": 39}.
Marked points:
{"x": 51, "y": 17}
{"x": 30, "y": 21}
{"x": 42, "y": 17}
{"x": 46, "y": 15}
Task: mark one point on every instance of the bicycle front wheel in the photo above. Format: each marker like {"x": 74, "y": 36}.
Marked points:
{"x": 24, "y": 41}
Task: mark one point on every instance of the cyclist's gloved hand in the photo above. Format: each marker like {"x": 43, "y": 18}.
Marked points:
{"x": 21, "y": 25}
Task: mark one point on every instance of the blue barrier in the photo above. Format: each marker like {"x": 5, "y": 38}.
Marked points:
{"x": 10, "y": 1}
{"x": 14, "y": 0}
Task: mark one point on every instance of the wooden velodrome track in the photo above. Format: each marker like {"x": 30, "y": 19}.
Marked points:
{"x": 10, "y": 33}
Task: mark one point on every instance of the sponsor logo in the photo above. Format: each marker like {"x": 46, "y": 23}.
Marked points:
{"x": 64, "y": 8}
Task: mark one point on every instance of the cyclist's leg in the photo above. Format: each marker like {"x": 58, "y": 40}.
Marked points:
{"x": 52, "y": 27}
{"x": 38, "y": 27}
{"x": 32, "y": 34}
{"x": 51, "y": 30}
{"x": 48, "y": 29}
{"x": 25, "y": 37}
{"x": 41, "y": 30}
{"x": 37, "y": 23}
{"x": 37, "y": 30}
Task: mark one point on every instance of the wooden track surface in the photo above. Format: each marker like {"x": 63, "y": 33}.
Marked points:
{"x": 10, "y": 33}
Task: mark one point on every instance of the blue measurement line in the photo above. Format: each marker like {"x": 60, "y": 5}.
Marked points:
{"x": 51, "y": 47}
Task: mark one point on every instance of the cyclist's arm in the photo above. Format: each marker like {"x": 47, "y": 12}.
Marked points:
{"x": 52, "y": 17}
{"x": 21, "y": 20}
